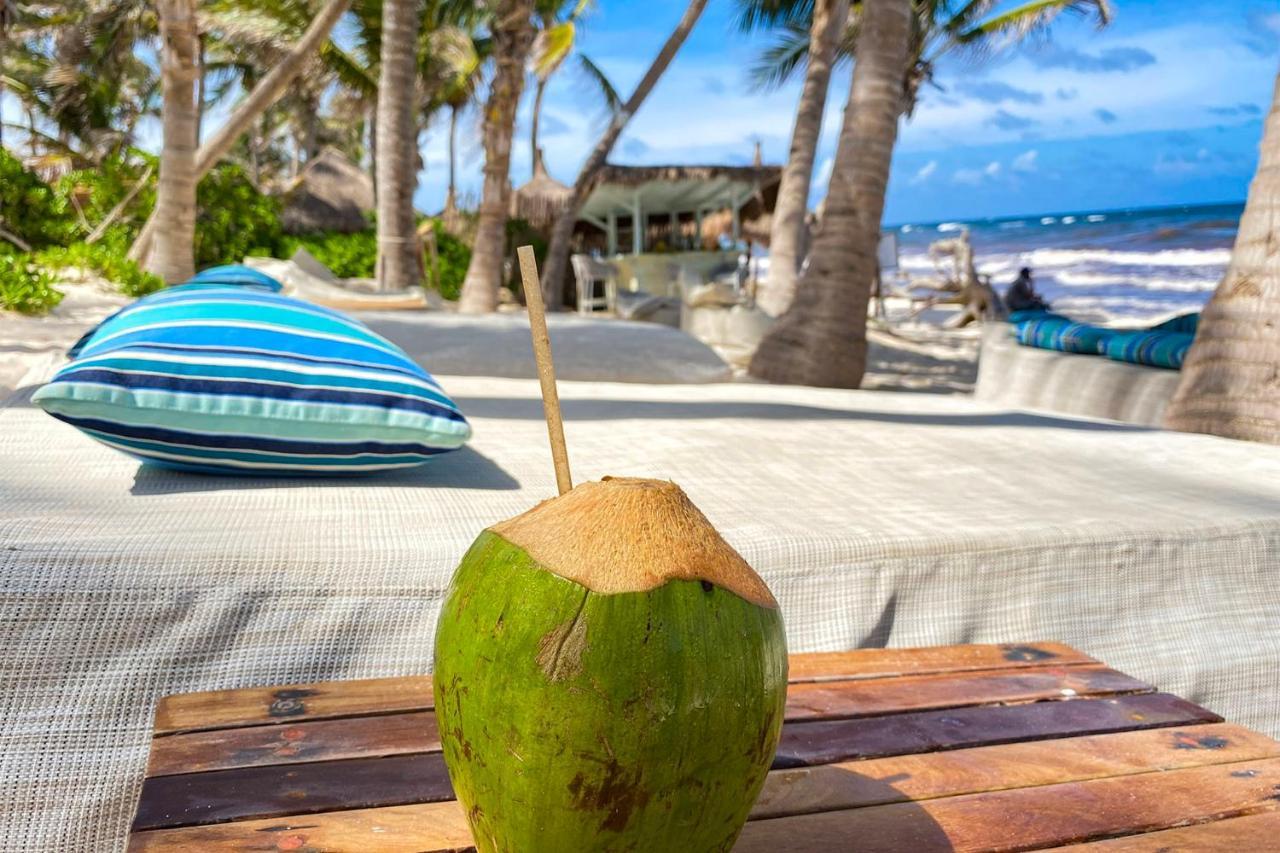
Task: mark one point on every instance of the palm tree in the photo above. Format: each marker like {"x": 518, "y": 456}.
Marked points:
{"x": 821, "y": 339}
{"x": 512, "y": 36}
{"x": 268, "y": 90}
{"x": 554, "y": 43}
{"x": 1230, "y": 383}
{"x": 786, "y": 236}
{"x": 397, "y": 145}
{"x": 940, "y": 27}
{"x": 174, "y": 258}
{"x": 562, "y": 232}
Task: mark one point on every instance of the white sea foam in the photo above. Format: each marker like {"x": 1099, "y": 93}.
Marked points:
{"x": 1163, "y": 258}
{"x": 951, "y": 226}
{"x": 1047, "y": 220}
{"x": 1070, "y": 278}
{"x": 1096, "y": 217}
{"x": 1068, "y": 220}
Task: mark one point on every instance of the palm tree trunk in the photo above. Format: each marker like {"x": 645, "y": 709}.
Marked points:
{"x": 786, "y": 234}
{"x": 373, "y": 148}
{"x": 174, "y": 258}
{"x": 822, "y": 339}
{"x": 397, "y": 145}
{"x": 264, "y": 94}
{"x": 512, "y": 35}
{"x": 1230, "y": 383}
{"x": 557, "y": 263}
{"x": 535, "y": 153}
{"x": 451, "y": 197}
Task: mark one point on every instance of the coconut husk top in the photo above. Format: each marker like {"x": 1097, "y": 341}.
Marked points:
{"x": 625, "y": 534}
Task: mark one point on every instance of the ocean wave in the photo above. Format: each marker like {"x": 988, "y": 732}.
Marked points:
{"x": 1007, "y": 225}
{"x": 1068, "y": 220}
{"x": 1069, "y": 278}
{"x": 1162, "y": 258}
{"x": 951, "y": 226}
{"x": 1048, "y": 220}
{"x": 1125, "y": 305}
{"x": 1096, "y": 217}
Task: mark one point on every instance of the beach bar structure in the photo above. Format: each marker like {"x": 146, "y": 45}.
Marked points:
{"x": 647, "y": 220}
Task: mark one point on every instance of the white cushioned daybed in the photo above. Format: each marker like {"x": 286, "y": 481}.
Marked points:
{"x": 877, "y": 518}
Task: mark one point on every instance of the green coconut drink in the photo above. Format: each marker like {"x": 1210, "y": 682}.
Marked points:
{"x": 609, "y": 675}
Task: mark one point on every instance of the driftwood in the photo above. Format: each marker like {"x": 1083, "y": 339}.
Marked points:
{"x": 14, "y": 238}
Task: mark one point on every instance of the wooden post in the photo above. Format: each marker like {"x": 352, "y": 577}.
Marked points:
{"x": 546, "y": 368}
{"x": 637, "y": 226}
{"x": 611, "y": 247}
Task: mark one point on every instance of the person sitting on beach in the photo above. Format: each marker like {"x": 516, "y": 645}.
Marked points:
{"x": 1022, "y": 296}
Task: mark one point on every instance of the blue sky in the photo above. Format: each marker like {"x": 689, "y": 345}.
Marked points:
{"x": 1163, "y": 107}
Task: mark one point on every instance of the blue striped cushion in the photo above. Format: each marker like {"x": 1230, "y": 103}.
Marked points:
{"x": 1154, "y": 348}
{"x": 236, "y": 274}
{"x": 236, "y": 380}
{"x": 1059, "y": 333}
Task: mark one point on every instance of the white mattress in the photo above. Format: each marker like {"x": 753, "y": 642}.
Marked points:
{"x": 876, "y": 518}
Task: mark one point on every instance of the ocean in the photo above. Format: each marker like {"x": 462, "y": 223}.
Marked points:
{"x": 1128, "y": 265}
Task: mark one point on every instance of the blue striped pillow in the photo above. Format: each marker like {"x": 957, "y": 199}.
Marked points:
{"x": 1058, "y": 333}
{"x": 1152, "y": 347}
{"x": 241, "y": 380}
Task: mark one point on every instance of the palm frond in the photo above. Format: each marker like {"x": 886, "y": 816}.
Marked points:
{"x": 350, "y": 71}
{"x": 1029, "y": 19}
{"x": 772, "y": 14}
{"x": 601, "y": 83}
{"x": 781, "y": 59}
{"x": 551, "y": 47}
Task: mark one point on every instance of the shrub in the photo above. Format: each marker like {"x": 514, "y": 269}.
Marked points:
{"x": 521, "y": 233}
{"x": 26, "y": 287}
{"x": 234, "y": 219}
{"x": 455, "y": 257}
{"x": 99, "y": 190}
{"x": 29, "y": 208}
{"x": 107, "y": 261}
{"x": 348, "y": 255}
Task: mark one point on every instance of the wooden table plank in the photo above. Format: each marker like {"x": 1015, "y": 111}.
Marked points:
{"x": 1028, "y": 818}
{"x": 805, "y": 744}
{"x": 250, "y": 792}
{"x": 255, "y": 706}
{"x": 1237, "y": 835}
{"x": 325, "y": 739}
{"x": 902, "y": 778}
{"x": 869, "y": 697}
{"x": 881, "y": 663}
{"x": 419, "y": 828}
{"x": 318, "y": 740}
{"x": 251, "y": 706}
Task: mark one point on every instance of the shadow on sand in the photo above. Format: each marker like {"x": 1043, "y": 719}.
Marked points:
{"x": 461, "y": 469}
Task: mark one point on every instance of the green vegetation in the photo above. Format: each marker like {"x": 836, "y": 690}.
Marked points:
{"x": 25, "y": 287}
{"x": 103, "y": 260}
{"x": 348, "y": 255}
{"x": 234, "y": 219}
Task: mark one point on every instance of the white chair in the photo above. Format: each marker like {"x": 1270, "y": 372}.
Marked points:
{"x": 588, "y": 272}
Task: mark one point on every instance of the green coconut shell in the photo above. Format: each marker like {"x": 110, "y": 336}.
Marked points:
{"x": 579, "y": 720}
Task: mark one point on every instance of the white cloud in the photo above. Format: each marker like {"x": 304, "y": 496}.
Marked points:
{"x": 1025, "y": 162}
{"x": 992, "y": 169}
{"x": 971, "y": 177}
{"x": 924, "y": 172}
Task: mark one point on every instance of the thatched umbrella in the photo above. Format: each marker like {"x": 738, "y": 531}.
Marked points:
{"x": 541, "y": 200}
{"x": 331, "y": 194}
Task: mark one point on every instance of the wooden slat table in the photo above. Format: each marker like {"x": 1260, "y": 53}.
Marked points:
{"x": 959, "y": 748}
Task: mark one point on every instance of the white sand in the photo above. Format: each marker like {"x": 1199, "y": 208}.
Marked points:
{"x": 31, "y": 347}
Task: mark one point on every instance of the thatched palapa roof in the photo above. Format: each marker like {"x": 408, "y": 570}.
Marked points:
{"x": 540, "y": 200}
{"x": 331, "y": 194}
